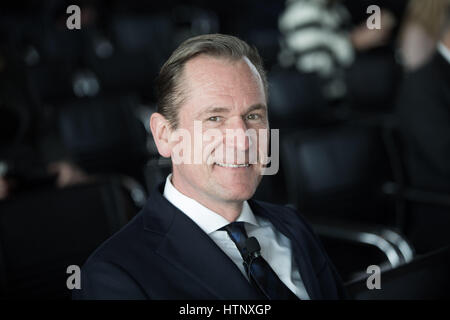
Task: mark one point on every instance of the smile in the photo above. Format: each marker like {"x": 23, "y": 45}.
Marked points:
{"x": 228, "y": 165}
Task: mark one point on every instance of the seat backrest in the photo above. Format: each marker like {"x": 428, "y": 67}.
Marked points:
{"x": 156, "y": 171}
{"x": 103, "y": 134}
{"x": 44, "y": 231}
{"x": 295, "y": 99}
{"x": 336, "y": 171}
{"x": 372, "y": 81}
{"x": 272, "y": 188}
{"x": 140, "y": 33}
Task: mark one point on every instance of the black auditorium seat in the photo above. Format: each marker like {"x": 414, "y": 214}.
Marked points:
{"x": 335, "y": 177}
{"x": 295, "y": 99}
{"x": 337, "y": 172}
{"x": 103, "y": 134}
{"x": 44, "y": 231}
{"x": 156, "y": 171}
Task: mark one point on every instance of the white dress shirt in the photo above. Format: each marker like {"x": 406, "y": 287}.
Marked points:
{"x": 275, "y": 247}
{"x": 444, "y": 51}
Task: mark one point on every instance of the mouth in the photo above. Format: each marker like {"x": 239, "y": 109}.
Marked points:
{"x": 230, "y": 165}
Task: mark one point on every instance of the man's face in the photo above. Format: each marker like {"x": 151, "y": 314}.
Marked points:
{"x": 222, "y": 95}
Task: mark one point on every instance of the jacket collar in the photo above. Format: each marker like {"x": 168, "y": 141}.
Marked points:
{"x": 292, "y": 230}
{"x": 208, "y": 220}
{"x": 193, "y": 252}
{"x": 442, "y": 66}
{"x": 185, "y": 245}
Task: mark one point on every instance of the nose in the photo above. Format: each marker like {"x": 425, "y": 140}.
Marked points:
{"x": 235, "y": 135}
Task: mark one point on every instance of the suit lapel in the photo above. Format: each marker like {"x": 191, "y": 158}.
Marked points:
{"x": 442, "y": 66}
{"x": 193, "y": 252}
{"x": 291, "y": 230}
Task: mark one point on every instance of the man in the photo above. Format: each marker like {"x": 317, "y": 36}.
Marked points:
{"x": 191, "y": 241}
{"x": 423, "y": 111}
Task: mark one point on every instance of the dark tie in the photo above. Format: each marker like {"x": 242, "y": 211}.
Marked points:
{"x": 260, "y": 273}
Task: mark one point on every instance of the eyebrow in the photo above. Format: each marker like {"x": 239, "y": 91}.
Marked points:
{"x": 257, "y": 107}
{"x": 213, "y": 109}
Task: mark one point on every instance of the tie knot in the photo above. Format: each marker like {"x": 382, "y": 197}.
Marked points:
{"x": 236, "y": 230}
{"x": 237, "y": 233}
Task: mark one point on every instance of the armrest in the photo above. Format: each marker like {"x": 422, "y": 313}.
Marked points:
{"x": 394, "y": 245}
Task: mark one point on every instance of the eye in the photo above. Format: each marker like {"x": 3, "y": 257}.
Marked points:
{"x": 254, "y": 116}
{"x": 214, "y": 118}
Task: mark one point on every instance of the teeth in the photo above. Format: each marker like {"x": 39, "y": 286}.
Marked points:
{"x": 226, "y": 165}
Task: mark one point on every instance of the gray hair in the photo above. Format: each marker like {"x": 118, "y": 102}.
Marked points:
{"x": 169, "y": 91}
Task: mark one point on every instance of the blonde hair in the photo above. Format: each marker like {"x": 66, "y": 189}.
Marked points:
{"x": 168, "y": 83}
{"x": 432, "y": 15}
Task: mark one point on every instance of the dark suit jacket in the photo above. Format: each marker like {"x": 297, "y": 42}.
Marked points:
{"x": 163, "y": 254}
{"x": 423, "y": 111}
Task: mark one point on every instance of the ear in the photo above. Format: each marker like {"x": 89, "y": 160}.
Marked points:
{"x": 161, "y": 132}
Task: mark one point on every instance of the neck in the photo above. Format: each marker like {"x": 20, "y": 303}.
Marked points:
{"x": 230, "y": 210}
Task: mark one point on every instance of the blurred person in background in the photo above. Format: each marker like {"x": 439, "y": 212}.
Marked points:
{"x": 22, "y": 164}
{"x": 420, "y": 32}
{"x": 423, "y": 111}
{"x": 317, "y": 37}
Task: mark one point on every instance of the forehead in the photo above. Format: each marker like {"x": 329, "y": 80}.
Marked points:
{"x": 222, "y": 77}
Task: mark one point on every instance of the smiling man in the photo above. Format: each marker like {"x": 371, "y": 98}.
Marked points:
{"x": 200, "y": 236}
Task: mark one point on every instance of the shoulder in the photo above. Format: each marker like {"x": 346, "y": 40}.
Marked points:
{"x": 112, "y": 270}
{"x": 128, "y": 243}
{"x": 285, "y": 213}
{"x": 118, "y": 243}
{"x": 290, "y": 221}
{"x": 308, "y": 245}
{"x": 103, "y": 275}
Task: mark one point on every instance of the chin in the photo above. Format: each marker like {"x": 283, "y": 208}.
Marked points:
{"x": 239, "y": 193}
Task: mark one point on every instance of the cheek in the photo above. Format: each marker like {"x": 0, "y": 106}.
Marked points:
{"x": 212, "y": 148}
{"x": 197, "y": 170}
{"x": 195, "y": 175}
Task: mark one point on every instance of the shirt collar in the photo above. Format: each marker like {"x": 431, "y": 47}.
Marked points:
{"x": 208, "y": 220}
{"x": 444, "y": 51}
